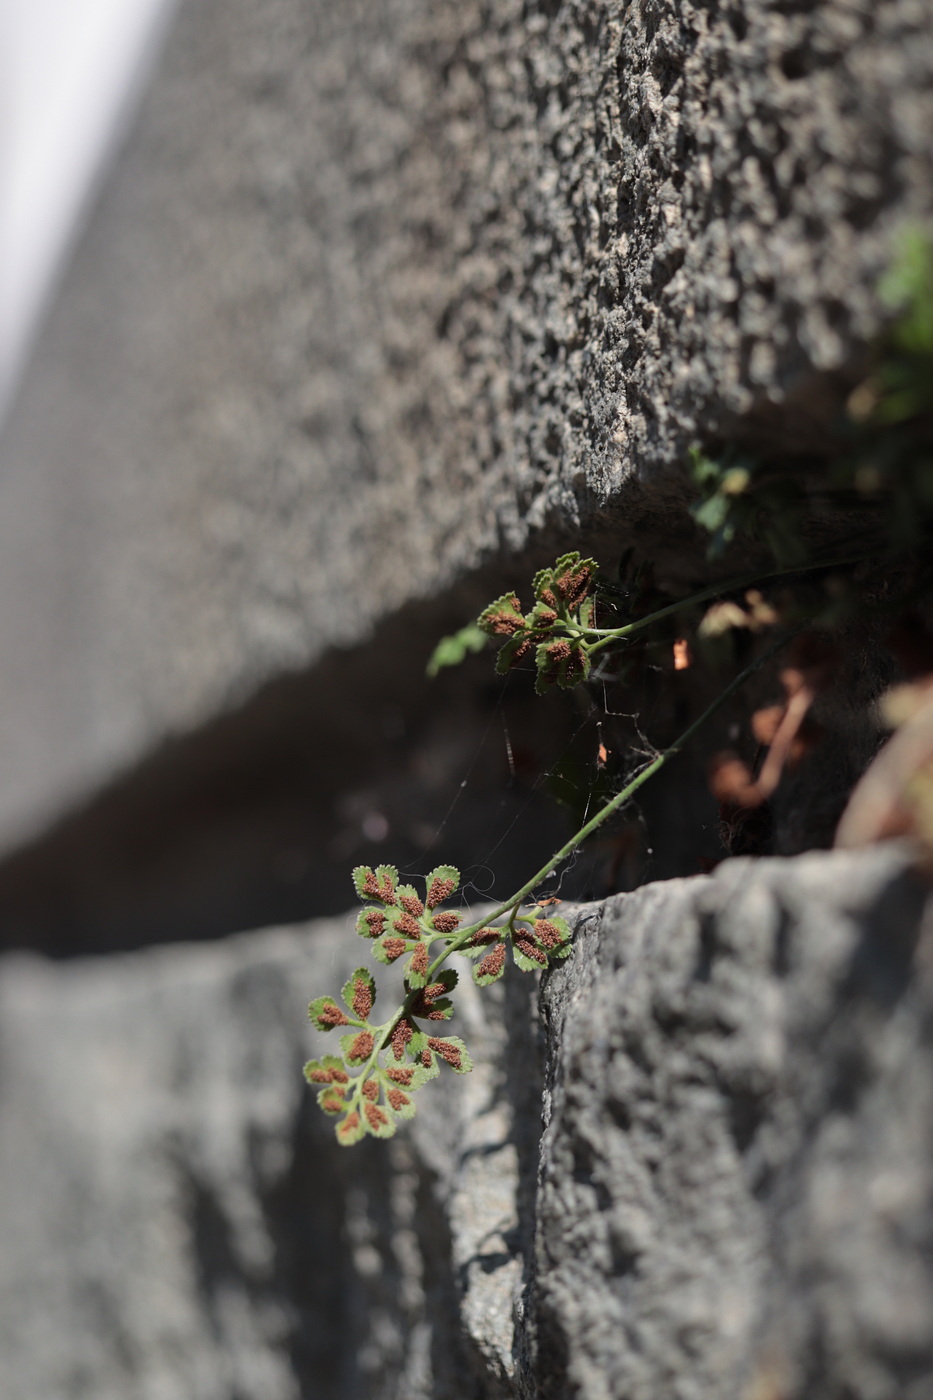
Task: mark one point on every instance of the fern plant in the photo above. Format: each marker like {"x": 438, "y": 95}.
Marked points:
{"x": 369, "y": 1087}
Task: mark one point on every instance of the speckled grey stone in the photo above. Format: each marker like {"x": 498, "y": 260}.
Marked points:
{"x": 381, "y": 292}
{"x": 732, "y": 1194}
{"x": 736, "y": 1180}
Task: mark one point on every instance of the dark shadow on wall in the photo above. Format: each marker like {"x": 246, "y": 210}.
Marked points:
{"x": 258, "y": 817}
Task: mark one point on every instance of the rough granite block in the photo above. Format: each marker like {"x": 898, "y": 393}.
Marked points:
{"x": 732, "y": 1194}
{"x": 450, "y": 276}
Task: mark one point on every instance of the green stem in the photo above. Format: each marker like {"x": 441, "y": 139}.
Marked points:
{"x": 382, "y": 1033}
{"x": 606, "y": 636}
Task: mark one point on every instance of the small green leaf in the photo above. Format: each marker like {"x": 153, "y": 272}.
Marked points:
{"x": 416, "y": 971}
{"x": 541, "y": 581}
{"x": 503, "y": 618}
{"x": 378, "y": 1121}
{"x": 326, "y": 1014}
{"x": 476, "y": 950}
{"x": 398, "y": 1097}
{"x": 351, "y": 1130}
{"x": 443, "y": 1010}
{"x": 562, "y": 925}
{"x": 359, "y": 993}
{"x": 440, "y": 884}
{"x": 360, "y": 875}
{"x": 332, "y": 1101}
{"x": 572, "y": 579}
{"x": 552, "y": 936}
{"x": 576, "y": 670}
{"x": 528, "y": 956}
{"x": 389, "y": 949}
{"x": 560, "y": 663}
{"x": 525, "y": 963}
{"x": 452, "y": 650}
{"x": 376, "y": 884}
{"x": 450, "y": 1050}
{"x": 371, "y": 922}
{"x": 491, "y": 966}
{"x": 513, "y": 651}
{"x": 357, "y": 1047}
{"x": 401, "y": 1103}
{"x": 330, "y": 1069}
{"x": 419, "y": 1076}
{"x": 712, "y": 513}
{"x": 704, "y": 471}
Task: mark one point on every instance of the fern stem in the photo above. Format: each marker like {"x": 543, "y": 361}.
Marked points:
{"x": 509, "y": 906}
{"x": 613, "y": 804}
{"x": 606, "y": 636}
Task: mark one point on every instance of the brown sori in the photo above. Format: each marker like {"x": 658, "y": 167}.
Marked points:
{"x": 547, "y": 933}
{"x": 446, "y": 921}
{"x": 373, "y": 890}
{"x": 576, "y": 665}
{"x": 371, "y": 1090}
{"x": 375, "y": 921}
{"x": 505, "y": 624}
{"x": 407, "y": 925}
{"x": 401, "y": 1076}
{"x": 412, "y": 905}
{"x": 419, "y": 961}
{"x": 450, "y": 1053}
{"x": 362, "y": 999}
{"x": 558, "y": 651}
{"x": 397, "y": 1099}
{"x": 423, "y": 1005}
{"x": 531, "y": 950}
{"x": 361, "y": 1047}
{"x": 376, "y": 1117}
{"x": 402, "y": 1034}
{"x": 521, "y": 651}
{"x": 394, "y": 948}
{"x": 328, "y": 1076}
{"x": 482, "y": 936}
{"x": 574, "y": 585}
{"x": 491, "y": 964}
{"x": 439, "y": 891}
{"x": 332, "y": 1016}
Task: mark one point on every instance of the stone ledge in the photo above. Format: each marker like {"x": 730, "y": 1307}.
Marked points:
{"x": 731, "y": 1194}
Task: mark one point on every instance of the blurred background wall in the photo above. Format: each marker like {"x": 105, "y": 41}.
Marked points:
{"x": 377, "y": 304}
{"x": 323, "y": 321}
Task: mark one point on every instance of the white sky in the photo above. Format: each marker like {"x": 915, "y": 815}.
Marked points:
{"x": 69, "y": 73}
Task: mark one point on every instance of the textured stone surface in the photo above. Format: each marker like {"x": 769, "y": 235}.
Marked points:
{"x": 381, "y": 291}
{"x": 737, "y": 1191}
{"x": 177, "y": 1220}
{"x": 734, "y": 1183}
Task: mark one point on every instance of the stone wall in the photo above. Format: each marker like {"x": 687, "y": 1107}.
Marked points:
{"x": 731, "y": 1195}
{"x": 380, "y": 293}
{"x": 382, "y": 303}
